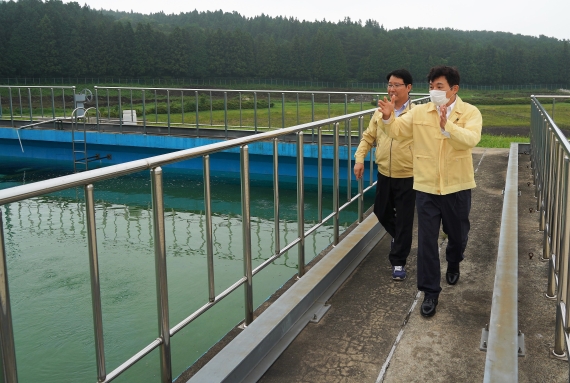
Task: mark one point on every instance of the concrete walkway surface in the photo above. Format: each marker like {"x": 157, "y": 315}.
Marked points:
{"x": 375, "y": 333}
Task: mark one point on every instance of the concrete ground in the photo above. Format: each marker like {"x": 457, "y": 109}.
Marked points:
{"x": 375, "y": 333}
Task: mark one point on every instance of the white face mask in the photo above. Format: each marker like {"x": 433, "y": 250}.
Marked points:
{"x": 438, "y": 97}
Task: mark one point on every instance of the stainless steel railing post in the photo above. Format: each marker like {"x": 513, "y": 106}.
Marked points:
{"x": 255, "y": 111}
{"x": 301, "y": 203}
{"x": 31, "y": 106}
{"x": 336, "y": 181}
{"x": 269, "y": 111}
{"x": 547, "y": 197}
{"x": 209, "y": 235}
{"x": 6, "y": 326}
{"x": 161, "y": 274}
{"x": 144, "y": 110}
{"x": 168, "y": 110}
{"x": 348, "y": 161}
{"x": 246, "y": 229}
{"x": 20, "y": 102}
{"x": 95, "y": 283}
{"x": 197, "y": 114}
{"x": 226, "y": 114}
{"x": 97, "y": 117}
{"x": 320, "y": 174}
{"x": 120, "y": 113}
{"x": 11, "y": 106}
{"x": 182, "y": 105}
{"x": 559, "y": 333}
{"x": 53, "y": 106}
{"x": 240, "y": 111}
{"x": 276, "y": 194}
{"x": 361, "y": 180}
{"x": 211, "y": 106}
{"x": 282, "y": 110}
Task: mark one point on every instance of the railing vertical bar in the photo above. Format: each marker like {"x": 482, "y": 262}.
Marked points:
{"x": 336, "y": 190}
{"x": 209, "y": 236}
{"x": 20, "y": 101}
{"x": 240, "y": 111}
{"x": 269, "y": 111}
{"x": 168, "y": 110}
{"x": 226, "y": 114}
{"x": 155, "y": 107}
{"x": 312, "y": 116}
{"x": 320, "y": 174}
{"x": 348, "y": 162}
{"x": 197, "y": 114}
{"x": 246, "y": 227}
{"x": 144, "y": 110}
{"x": 132, "y": 109}
{"x": 12, "y": 106}
{"x": 120, "y": 112}
{"x": 108, "y": 106}
{"x": 329, "y": 107}
{"x": 361, "y": 180}
{"x": 297, "y": 108}
{"x": 547, "y": 203}
{"x": 95, "y": 283}
{"x": 562, "y": 293}
{"x": 276, "y": 194}
{"x": 211, "y": 117}
{"x": 52, "y": 103}
{"x": 161, "y": 274}
{"x": 182, "y": 105}
{"x": 557, "y": 208}
{"x": 97, "y": 116}
{"x": 301, "y": 203}
{"x": 282, "y": 110}
{"x": 6, "y": 325}
{"x": 30, "y": 104}
{"x": 255, "y": 111}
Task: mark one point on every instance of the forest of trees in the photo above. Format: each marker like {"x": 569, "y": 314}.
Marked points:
{"x": 44, "y": 39}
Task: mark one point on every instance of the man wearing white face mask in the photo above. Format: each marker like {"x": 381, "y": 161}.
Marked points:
{"x": 444, "y": 131}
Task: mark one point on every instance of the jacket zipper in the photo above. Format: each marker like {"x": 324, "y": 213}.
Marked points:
{"x": 390, "y": 162}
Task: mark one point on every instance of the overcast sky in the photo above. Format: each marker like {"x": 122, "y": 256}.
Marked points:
{"x": 527, "y": 17}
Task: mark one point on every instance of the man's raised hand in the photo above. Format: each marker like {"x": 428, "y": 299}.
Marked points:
{"x": 386, "y": 107}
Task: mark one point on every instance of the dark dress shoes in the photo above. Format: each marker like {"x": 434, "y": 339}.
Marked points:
{"x": 428, "y": 307}
{"x": 452, "y": 277}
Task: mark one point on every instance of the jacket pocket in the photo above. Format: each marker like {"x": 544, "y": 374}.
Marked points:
{"x": 459, "y": 169}
{"x": 424, "y": 169}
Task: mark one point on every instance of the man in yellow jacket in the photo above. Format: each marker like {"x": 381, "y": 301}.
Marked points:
{"x": 395, "y": 196}
{"x": 444, "y": 131}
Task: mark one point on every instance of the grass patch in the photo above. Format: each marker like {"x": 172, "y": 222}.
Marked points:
{"x": 490, "y": 141}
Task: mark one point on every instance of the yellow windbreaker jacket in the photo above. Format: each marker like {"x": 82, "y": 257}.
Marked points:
{"x": 441, "y": 165}
{"x": 394, "y": 158}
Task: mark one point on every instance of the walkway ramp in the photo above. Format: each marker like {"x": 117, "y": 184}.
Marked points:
{"x": 375, "y": 333}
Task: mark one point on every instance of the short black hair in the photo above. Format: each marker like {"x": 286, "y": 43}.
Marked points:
{"x": 451, "y": 74}
{"x": 403, "y": 74}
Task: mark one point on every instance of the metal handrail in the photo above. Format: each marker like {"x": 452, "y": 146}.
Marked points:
{"x": 550, "y": 153}
{"x": 195, "y": 94}
{"x": 154, "y": 164}
{"x": 30, "y": 103}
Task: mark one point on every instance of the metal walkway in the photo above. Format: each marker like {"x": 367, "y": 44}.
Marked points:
{"x": 373, "y": 331}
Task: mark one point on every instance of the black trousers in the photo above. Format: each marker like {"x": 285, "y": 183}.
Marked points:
{"x": 451, "y": 210}
{"x": 394, "y": 207}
